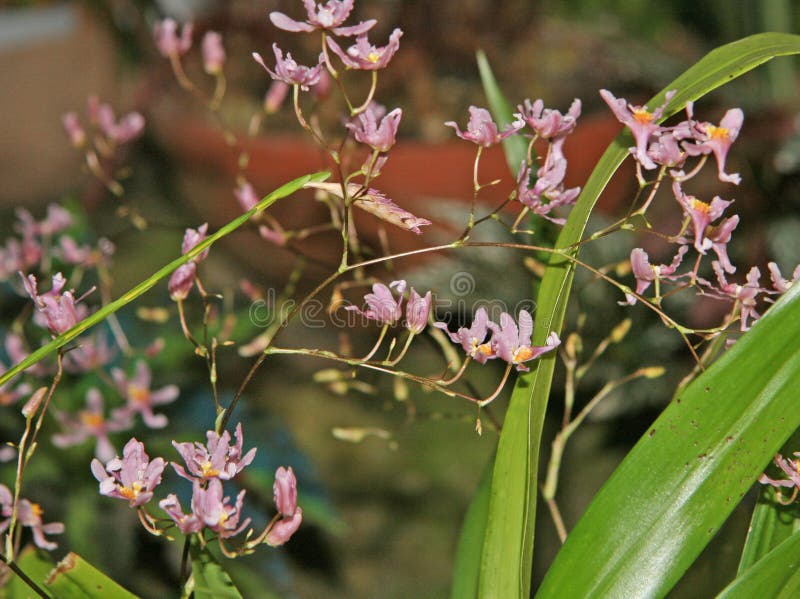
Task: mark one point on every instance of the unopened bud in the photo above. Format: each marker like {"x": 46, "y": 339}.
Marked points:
{"x": 276, "y": 94}
{"x": 328, "y": 375}
{"x": 213, "y": 53}
{"x": 32, "y": 405}
{"x": 652, "y": 372}
{"x": 400, "y": 389}
{"x": 619, "y": 332}
{"x": 574, "y": 345}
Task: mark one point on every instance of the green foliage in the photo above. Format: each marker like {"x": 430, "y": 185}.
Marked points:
{"x": 776, "y": 575}
{"x": 75, "y": 578}
{"x": 508, "y": 546}
{"x": 209, "y": 580}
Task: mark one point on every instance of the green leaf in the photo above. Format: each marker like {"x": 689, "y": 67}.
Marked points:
{"x": 771, "y": 523}
{"x": 516, "y": 149}
{"x": 470, "y": 541}
{"x": 36, "y": 565}
{"x": 104, "y": 312}
{"x": 686, "y": 474}
{"x": 209, "y": 580}
{"x": 776, "y": 576}
{"x": 508, "y": 547}
{"x": 75, "y": 578}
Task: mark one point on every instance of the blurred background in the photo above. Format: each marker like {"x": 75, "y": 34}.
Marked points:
{"x": 385, "y": 473}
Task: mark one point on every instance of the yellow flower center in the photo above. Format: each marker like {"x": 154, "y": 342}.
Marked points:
{"x": 522, "y": 354}
{"x": 373, "y": 57}
{"x": 37, "y": 510}
{"x": 133, "y": 491}
{"x": 91, "y": 419}
{"x": 208, "y": 471}
{"x": 703, "y": 207}
{"x": 138, "y": 395}
{"x": 640, "y": 115}
{"x": 717, "y": 132}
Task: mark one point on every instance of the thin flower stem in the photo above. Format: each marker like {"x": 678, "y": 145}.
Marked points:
{"x": 493, "y": 396}
{"x": 457, "y": 375}
{"x": 377, "y": 344}
{"x": 558, "y": 521}
{"x": 370, "y": 95}
{"x": 220, "y": 85}
{"x": 402, "y": 353}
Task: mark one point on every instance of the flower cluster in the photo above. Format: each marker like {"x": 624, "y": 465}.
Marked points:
{"x": 386, "y": 309}
{"x": 134, "y": 478}
{"x": 509, "y": 341}
{"x": 707, "y": 227}
{"x": 29, "y": 514}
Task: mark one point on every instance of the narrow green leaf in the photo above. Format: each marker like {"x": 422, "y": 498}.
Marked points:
{"x": 776, "y": 576}
{"x": 104, "y": 312}
{"x": 515, "y": 147}
{"x": 210, "y": 580}
{"x": 470, "y": 542}
{"x": 75, "y": 578}
{"x": 36, "y": 565}
{"x": 508, "y": 547}
{"x": 771, "y": 523}
{"x": 686, "y": 474}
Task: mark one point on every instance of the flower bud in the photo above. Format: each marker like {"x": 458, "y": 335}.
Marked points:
{"x": 74, "y": 129}
{"x": 181, "y": 281}
{"x": 283, "y": 529}
{"x": 276, "y": 94}
{"x": 285, "y": 489}
{"x": 32, "y": 405}
{"x": 213, "y": 53}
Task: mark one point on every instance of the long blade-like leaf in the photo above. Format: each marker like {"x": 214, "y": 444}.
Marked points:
{"x": 75, "y": 578}
{"x": 470, "y": 543}
{"x": 776, "y": 576}
{"x": 508, "y": 547}
{"x": 686, "y": 474}
{"x": 104, "y": 312}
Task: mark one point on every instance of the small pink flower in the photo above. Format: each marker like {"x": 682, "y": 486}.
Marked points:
{"x": 374, "y": 129}
{"x": 191, "y": 238}
{"x": 639, "y": 120}
{"x": 718, "y": 140}
{"x": 364, "y": 56}
{"x": 327, "y": 16}
{"x": 645, "y": 273}
{"x": 215, "y": 511}
{"x": 548, "y": 123}
{"x": 473, "y": 339}
{"x": 246, "y": 196}
{"x": 74, "y": 129}
{"x": 56, "y": 309}
{"x": 418, "y": 308}
{"x": 217, "y": 459}
{"x": 140, "y": 399}
{"x": 746, "y": 295}
{"x": 91, "y": 423}
{"x": 382, "y": 306}
{"x": 548, "y": 192}
{"x": 168, "y": 42}
{"x": 133, "y": 478}
{"x": 213, "y": 53}
{"x": 182, "y": 281}
{"x": 28, "y": 514}
{"x": 288, "y": 71}
{"x": 780, "y": 284}
{"x": 702, "y": 214}
{"x": 92, "y": 352}
{"x": 513, "y": 344}
{"x": 482, "y": 130}
{"x": 186, "y": 523}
